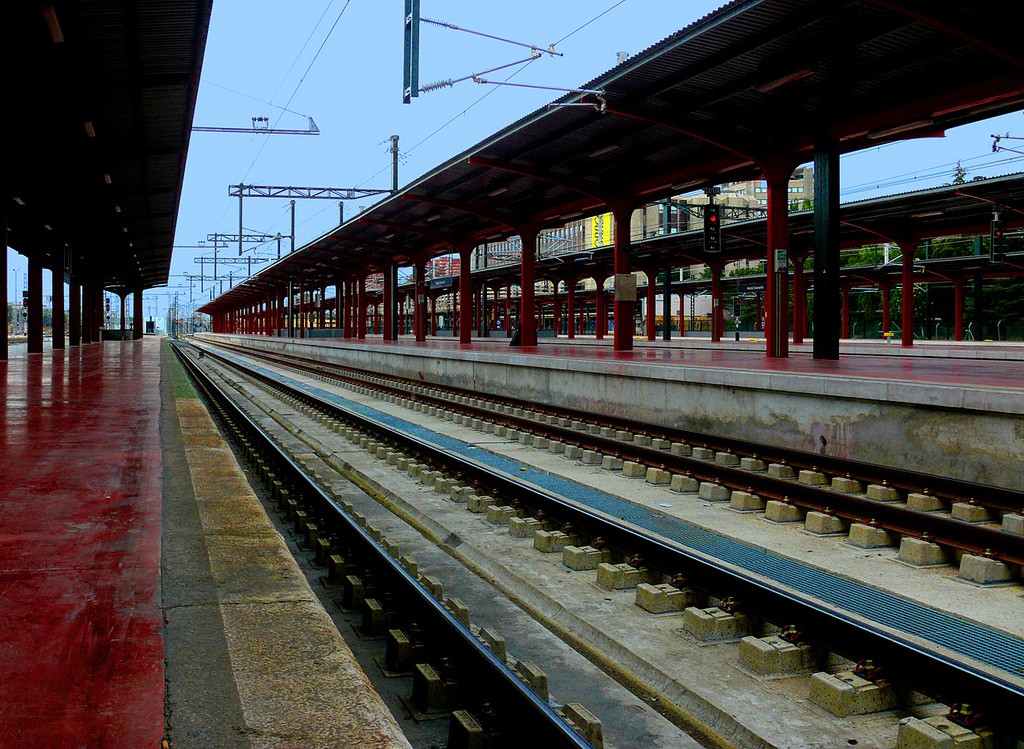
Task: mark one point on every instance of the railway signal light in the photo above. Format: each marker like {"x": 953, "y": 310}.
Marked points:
{"x": 996, "y": 239}
{"x": 713, "y": 228}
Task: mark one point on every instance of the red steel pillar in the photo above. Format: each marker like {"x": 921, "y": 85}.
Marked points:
{"x": 123, "y": 300}
{"x": 388, "y": 303}
{"x": 527, "y": 298}
{"x": 361, "y": 305}
{"x": 624, "y": 304}
{"x": 466, "y": 294}
{"x": 570, "y": 311}
{"x": 57, "y": 282}
{"x": 777, "y": 172}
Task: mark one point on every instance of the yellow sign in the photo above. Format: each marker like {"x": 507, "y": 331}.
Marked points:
{"x": 600, "y": 230}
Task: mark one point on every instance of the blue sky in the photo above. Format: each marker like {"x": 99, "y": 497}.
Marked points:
{"x": 264, "y": 57}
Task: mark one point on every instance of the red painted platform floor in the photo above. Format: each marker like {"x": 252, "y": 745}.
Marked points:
{"x": 81, "y": 649}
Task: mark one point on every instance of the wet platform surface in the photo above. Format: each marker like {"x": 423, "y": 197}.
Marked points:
{"x": 81, "y": 652}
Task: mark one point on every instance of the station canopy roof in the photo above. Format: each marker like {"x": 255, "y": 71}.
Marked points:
{"x": 100, "y": 98}
{"x": 751, "y": 83}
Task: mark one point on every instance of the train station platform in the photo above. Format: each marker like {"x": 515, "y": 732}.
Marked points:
{"x": 949, "y": 409}
{"x": 148, "y": 599}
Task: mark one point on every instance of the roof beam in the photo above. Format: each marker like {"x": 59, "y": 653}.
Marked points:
{"x": 431, "y": 234}
{"x": 632, "y": 113}
{"x": 492, "y": 216}
{"x": 543, "y": 176}
{"x": 956, "y": 31}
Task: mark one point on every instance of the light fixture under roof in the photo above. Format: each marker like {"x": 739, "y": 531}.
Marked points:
{"x": 782, "y": 80}
{"x": 52, "y": 24}
{"x": 47, "y": 227}
{"x": 602, "y": 151}
{"x": 124, "y": 229}
{"x": 18, "y": 200}
{"x": 117, "y": 209}
{"x": 926, "y": 214}
{"x": 496, "y": 193}
{"x": 899, "y": 129}
{"x": 106, "y": 178}
{"x": 89, "y": 129}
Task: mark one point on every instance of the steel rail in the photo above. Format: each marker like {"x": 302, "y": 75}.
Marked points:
{"x": 910, "y": 663}
{"x": 521, "y": 715}
{"x": 982, "y": 540}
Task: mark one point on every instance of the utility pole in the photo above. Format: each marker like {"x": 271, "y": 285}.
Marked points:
{"x": 394, "y": 163}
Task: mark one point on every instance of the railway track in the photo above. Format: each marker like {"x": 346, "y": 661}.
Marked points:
{"x": 928, "y": 670}
{"x": 899, "y": 502}
{"x": 488, "y": 704}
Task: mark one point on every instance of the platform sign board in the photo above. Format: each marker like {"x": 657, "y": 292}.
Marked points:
{"x": 441, "y": 283}
{"x": 600, "y": 230}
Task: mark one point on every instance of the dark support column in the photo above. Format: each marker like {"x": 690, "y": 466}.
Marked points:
{"x": 99, "y": 312}
{"x": 74, "y": 313}
{"x": 527, "y": 299}
{"x": 339, "y": 305}
{"x": 625, "y": 282}
{"x": 419, "y": 320}
{"x": 387, "y": 301}
{"x": 4, "y": 321}
{"x": 87, "y": 310}
{"x": 886, "y": 319}
{"x": 481, "y": 321}
{"x": 978, "y": 329}
{"x": 122, "y": 300}
{"x": 57, "y": 282}
{"x": 556, "y": 310}
{"x": 570, "y": 308}
{"x": 35, "y": 305}
{"x": 958, "y": 309}
{"x": 717, "y": 302}
{"x": 291, "y": 308}
{"x": 907, "y": 301}
{"x": 600, "y": 308}
{"x": 776, "y": 333}
{"x": 652, "y": 321}
{"x": 826, "y": 252}
{"x": 361, "y": 307}
{"x": 140, "y": 323}
{"x": 845, "y": 311}
{"x": 465, "y": 294}
{"x": 666, "y": 294}
{"x": 799, "y": 297}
